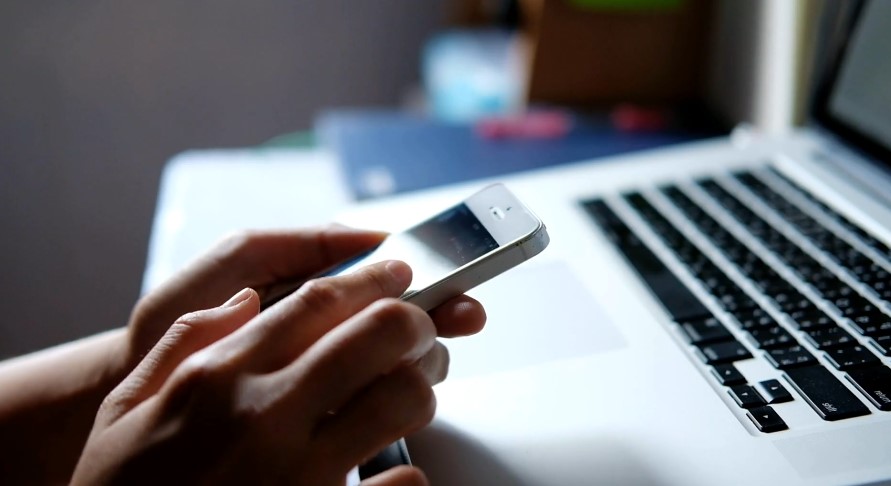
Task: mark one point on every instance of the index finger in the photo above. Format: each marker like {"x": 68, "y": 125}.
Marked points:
{"x": 264, "y": 257}
{"x": 255, "y": 259}
{"x": 287, "y": 329}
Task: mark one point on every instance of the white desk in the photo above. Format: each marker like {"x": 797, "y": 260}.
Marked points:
{"x": 207, "y": 194}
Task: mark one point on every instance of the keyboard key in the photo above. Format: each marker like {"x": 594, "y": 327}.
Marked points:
{"x": 675, "y": 297}
{"x": 755, "y": 319}
{"x": 883, "y": 343}
{"x": 766, "y": 419}
{"x": 850, "y": 357}
{"x": 859, "y": 307}
{"x": 728, "y": 375}
{"x": 875, "y": 383}
{"x": 785, "y": 358}
{"x": 825, "y": 393}
{"x": 774, "y": 392}
{"x": 829, "y": 337}
{"x": 772, "y": 337}
{"x": 871, "y": 323}
{"x": 707, "y": 330}
{"x": 807, "y": 319}
{"x": 746, "y": 396}
{"x": 724, "y": 352}
{"x": 797, "y": 304}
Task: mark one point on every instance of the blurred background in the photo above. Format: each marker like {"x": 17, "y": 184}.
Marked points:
{"x": 97, "y": 95}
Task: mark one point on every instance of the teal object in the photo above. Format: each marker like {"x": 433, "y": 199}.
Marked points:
{"x": 471, "y": 74}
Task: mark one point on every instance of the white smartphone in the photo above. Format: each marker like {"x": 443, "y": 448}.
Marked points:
{"x": 450, "y": 253}
{"x": 463, "y": 246}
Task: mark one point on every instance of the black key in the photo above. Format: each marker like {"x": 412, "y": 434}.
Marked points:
{"x": 728, "y": 375}
{"x": 859, "y": 307}
{"x": 737, "y": 304}
{"x": 785, "y": 358}
{"x": 825, "y": 393}
{"x": 772, "y": 337}
{"x": 829, "y": 337}
{"x": 766, "y": 419}
{"x": 850, "y": 357}
{"x": 708, "y": 330}
{"x": 838, "y": 292}
{"x": 806, "y": 320}
{"x": 677, "y": 299}
{"x": 875, "y": 383}
{"x": 774, "y": 392}
{"x": 755, "y": 319}
{"x": 724, "y": 352}
{"x": 796, "y": 304}
{"x": 746, "y": 396}
{"x": 871, "y": 323}
{"x": 883, "y": 343}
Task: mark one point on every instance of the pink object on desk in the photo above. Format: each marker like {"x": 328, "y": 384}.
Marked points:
{"x": 531, "y": 125}
{"x": 633, "y": 118}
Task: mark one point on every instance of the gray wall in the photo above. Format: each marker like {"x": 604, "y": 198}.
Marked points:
{"x": 95, "y": 95}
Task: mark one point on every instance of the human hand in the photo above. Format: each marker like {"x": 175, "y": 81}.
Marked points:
{"x": 302, "y": 393}
{"x": 260, "y": 260}
{"x": 255, "y": 259}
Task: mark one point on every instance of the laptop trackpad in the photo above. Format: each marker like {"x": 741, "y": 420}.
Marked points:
{"x": 838, "y": 451}
{"x": 538, "y": 312}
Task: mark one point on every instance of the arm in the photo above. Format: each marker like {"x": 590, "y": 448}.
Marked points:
{"x": 298, "y": 394}
{"x": 48, "y": 401}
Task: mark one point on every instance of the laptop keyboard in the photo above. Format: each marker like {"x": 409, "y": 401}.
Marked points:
{"x": 792, "y": 282}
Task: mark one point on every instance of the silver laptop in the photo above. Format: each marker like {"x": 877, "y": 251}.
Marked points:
{"x": 717, "y": 313}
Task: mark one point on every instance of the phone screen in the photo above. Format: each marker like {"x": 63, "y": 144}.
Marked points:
{"x": 434, "y": 248}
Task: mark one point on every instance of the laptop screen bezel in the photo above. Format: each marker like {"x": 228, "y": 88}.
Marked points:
{"x": 822, "y": 113}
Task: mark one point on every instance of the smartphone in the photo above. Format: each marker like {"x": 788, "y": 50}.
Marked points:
{"x": 461, "y": 247}
{"x": 450, "y": 253}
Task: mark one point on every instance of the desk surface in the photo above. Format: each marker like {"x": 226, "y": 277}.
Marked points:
{"x": 207, "y": 194}
{"x": 553, "y": 414}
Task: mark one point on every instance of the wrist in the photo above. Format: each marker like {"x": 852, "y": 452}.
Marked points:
{"x": 111, "y": 362}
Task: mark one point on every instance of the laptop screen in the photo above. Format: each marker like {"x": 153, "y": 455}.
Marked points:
{"x": 856, "y": 101}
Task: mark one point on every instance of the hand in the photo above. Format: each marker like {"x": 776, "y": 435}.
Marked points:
{"x": 257, "y": 259}
{"x": 263, "y": 259}
{"x": 303, "y": 392}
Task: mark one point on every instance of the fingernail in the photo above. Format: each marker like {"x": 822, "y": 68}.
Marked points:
{"x": 238, "y": 298}
{"x": 400, "y": 271}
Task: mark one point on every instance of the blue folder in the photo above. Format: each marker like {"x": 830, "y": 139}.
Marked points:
{"x": 386, "y": 152}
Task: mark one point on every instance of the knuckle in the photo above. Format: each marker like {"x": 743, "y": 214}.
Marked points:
{"x": 242, "y": 418}
{"x": 319, "y": 294}
{"x": 181, "y": 332}
{"x": 239, "y": 239}
{"x": 373, "y": 278}
{"x": 200, "y": 375}
{"x": 183, "y": 325}
{"x": 441, "y": 360}
{"x": 417, "y": 395}
{"x": 233, "y": 246}
{"x": 110, "y": 406}
{"x": 399, "y": 323}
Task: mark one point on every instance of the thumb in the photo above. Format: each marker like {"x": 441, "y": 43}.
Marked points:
{"x": 189, "y": 334}
{"x": 398, "y": 476}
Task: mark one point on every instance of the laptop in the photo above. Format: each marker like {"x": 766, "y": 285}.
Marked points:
{"x": 712, "y": 313}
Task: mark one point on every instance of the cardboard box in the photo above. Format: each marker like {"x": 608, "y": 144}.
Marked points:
{"x": 600, "y": 52}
